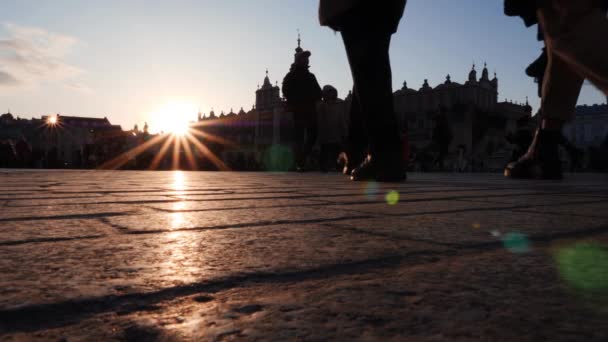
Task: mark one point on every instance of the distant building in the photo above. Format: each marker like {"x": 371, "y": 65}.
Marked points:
{"x": 477, "y": 120}
{"x": 589, "y": 127}
{"x": 57, "y": 141}
{"x": 74, "y": 141}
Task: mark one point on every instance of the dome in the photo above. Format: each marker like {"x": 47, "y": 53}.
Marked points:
{"x": 527, "y": 107}
{"x": 426, "y": 86}
{"x": 494, "y": 81}
{"x": 7, "y": 116}
{"x": 405, "y": 90}
{"x": 242, "y": 111}
{"x": 448, "y": 83}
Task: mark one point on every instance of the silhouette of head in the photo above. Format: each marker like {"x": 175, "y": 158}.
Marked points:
{"x": 329, "y": 93}
{"x": 302, "y": 58}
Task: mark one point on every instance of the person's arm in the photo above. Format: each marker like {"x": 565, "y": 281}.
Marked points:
{"x": 317, "y": 93}
{"x": 287, "y": 86}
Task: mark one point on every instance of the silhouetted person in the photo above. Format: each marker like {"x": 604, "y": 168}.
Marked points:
{"x": 332, "y": 127}
{"x": 366, "y": 27}
{"x": 575, "y": 37}
{"x": 302, "y": 92}
{"x": 526, "y": 10}
{"x": 442, "y": 138}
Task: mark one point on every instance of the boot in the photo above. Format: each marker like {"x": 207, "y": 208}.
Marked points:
{"x": 348, "y": 161}
{"x": 371, "y": 169}
{"x": 542, "y": 159}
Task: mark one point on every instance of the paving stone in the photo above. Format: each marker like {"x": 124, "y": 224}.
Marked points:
{"x": 105, "y": 255}
{"x": 131, "y": 264}
{"x": 473, "y": 227}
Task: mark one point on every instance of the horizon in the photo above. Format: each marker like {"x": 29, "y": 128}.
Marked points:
{"x": 141, "y": 61}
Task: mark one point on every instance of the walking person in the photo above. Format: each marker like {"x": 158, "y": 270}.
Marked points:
{"x": 375, "y": 150}
{"x": 302, "y": 92}
{"x": 332, "y": 127}
{"x": 575, "y": 37}
{"x": 442, "y": 138}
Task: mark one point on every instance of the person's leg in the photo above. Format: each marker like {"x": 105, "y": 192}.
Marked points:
{"x": 368, "y": 55}
{"x": 357, "y": 142}
{"x": 560, "y": 92}
{"x": 575, "y": 32}
{"x": 323, "y": 157}
{"x": 299, "y": 132}
{"x": 311, "y": 132}
{"x": 561, "y": 89}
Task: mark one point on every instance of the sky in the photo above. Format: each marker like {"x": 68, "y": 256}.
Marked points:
{"x": 130, "y": 60}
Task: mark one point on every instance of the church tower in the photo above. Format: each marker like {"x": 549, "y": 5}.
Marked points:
{"x": 268, "y": 96}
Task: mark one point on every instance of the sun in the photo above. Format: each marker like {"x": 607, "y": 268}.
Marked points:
{"x": 174, "y": 117}
{"x": 52, "y": 120}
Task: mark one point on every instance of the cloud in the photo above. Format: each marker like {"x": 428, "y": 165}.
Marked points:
{"x": 31, "y": 56}
{"x": 7, "y": 79}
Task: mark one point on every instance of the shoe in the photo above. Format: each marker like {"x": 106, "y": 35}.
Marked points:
{"x": 348, "y": 163}
{"x": 369, "y": 170}
{"x": 542, "y": 159}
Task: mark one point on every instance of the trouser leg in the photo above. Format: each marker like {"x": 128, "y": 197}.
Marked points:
{"x": 368, "y": 56}
{"x": 311, "y": 135}
{"x": 357, "y": 142}
{"x": 299, "y": 136}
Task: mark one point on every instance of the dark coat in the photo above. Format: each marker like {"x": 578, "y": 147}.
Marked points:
{"x": 300, "y": 88}
{"x": 526, "y": 9}
{"x": 361, "y": 14}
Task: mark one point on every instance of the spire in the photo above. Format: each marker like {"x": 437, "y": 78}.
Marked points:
{"x": 267, "y": 83}
{"x": 448, "y": 79}
{"x": 299, "y": 48}
{"x": 484, "y": 73}
{"x": 473, "y": 74}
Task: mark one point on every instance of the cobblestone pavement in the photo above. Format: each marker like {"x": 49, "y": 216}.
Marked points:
{"x": 91, "y": 255}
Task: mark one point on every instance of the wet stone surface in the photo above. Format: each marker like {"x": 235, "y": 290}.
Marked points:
{"x": 259, "y": 256}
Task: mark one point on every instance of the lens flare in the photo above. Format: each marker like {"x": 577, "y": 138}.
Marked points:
{"x": 392, "y": 197}
{"x": 516, "y": 243}
{"x": 584, "y": 266}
